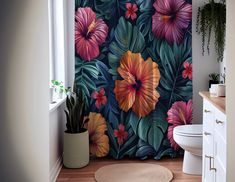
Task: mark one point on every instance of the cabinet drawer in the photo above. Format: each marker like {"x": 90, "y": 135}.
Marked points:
{"x": 220, "y": 124}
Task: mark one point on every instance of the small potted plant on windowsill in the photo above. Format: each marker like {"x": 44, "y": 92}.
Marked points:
{"x": 214, "y": 79}
{"x": 58, "y": 88}
{"x": 76, "y": 137}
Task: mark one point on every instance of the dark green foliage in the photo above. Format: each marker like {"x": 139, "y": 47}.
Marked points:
{"x": 129, "y": 146}
{"x": 150, "y": 126}
{"x": 212, "y": 17}
{"x": 75, "y": 113}
{"x": 127, "y": 37}
{"x": 214, "y": 76}
{"x": 84, "y": 73}
{"x": 173, "y": 87}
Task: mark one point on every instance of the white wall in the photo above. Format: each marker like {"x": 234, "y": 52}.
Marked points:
{"x": 202, "y": 65}
{"x": 230, "y": 88}
{"x": 24, "y": 73}
{"x": 56, "y": 128}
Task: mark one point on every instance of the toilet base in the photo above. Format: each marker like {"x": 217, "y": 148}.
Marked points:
{"x": 192, "y": 164}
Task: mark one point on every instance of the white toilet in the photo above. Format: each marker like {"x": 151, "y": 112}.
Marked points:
{"x": 189, "y": 138}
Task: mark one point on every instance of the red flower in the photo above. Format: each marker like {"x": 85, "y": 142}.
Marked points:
{"x": 188, "y": 72}
{"x": 100, "y": 97}
{"x": 131, "y": 10}
{"x": 121, "y": 134}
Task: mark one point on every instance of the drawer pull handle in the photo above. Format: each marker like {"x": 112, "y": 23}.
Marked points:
{"x": 210, "y": 167}
{"x": 206, "y": 133}
{"x": 206, "y": 111}
{"x": 218, "y": 121}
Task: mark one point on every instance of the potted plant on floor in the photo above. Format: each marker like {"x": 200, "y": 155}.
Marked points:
{"x": 76, "y": 137}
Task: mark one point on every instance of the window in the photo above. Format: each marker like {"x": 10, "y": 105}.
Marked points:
{"x": 58, "y": 49}
{"x": 57, "y": 25}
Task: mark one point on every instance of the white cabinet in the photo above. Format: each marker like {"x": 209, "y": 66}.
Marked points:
{"x": 214, "y": 143}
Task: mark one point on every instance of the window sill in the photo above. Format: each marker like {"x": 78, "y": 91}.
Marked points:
{"x": 58, "y": 103}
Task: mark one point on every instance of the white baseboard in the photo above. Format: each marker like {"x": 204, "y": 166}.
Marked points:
{"x": 54, "y": 172}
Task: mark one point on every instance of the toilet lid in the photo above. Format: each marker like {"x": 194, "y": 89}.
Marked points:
{"x": 190, "y": 130}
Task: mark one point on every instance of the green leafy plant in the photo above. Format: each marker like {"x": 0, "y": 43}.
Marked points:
{"x": 212, "y": 17}
{"x": 58, "y": 85}
{"x": 214, "y": 77}
{"x": 75, "y": 113}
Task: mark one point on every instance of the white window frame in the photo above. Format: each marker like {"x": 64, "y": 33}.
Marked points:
{"x": 58, "y": 39}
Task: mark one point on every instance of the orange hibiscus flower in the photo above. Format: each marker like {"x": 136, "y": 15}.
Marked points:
{"x": 138, "y": 89}
{"x": 99, "y": 142}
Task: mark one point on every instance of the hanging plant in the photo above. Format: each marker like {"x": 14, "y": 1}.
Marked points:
{"x": 212, "y": 17}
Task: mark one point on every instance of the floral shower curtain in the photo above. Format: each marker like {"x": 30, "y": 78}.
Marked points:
{"x": 134, "y": 65}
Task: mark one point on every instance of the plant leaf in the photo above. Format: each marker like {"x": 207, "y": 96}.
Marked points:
{"x": 173, "y": 86}
{"x": 85, "y": 74}
{"x": 151, "y": 128}
{"x": 110, "y": 110}
{"x": 126, "y": 37}
{"x": 144, "y": 20}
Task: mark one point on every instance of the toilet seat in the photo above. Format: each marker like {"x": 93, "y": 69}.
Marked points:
{"x": 189, "y": 130}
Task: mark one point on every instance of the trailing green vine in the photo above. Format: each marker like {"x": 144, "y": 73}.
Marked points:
{"x": 212, "y": 16}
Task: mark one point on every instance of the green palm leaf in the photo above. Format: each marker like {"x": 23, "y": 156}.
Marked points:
{"x": 84, "y": 73}
{"x": 151, "y": 128}
{"x": 126, "y": 37}
{"x": 110, "y": 9}
{"x": 144, "y": 20}
{"x": 173, "y": 86}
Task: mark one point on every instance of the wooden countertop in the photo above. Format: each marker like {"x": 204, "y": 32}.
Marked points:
{"x": 218, "y": 102}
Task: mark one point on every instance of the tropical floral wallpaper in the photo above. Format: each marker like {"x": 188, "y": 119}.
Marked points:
{"x": 134, "y": 65}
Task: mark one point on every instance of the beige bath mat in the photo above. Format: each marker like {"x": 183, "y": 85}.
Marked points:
{"x": 133, "y": 172}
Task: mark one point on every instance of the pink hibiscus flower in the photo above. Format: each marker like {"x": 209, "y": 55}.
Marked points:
{"x": 179, "y": 114}
{"x": 171, "y": 19}
{"x": 90, "y": 33}
{"x": 188, "y": 72}
{"x": 100, "y": 98}
{"x": 121, "y": 134}
{"x": 131, "y": 10}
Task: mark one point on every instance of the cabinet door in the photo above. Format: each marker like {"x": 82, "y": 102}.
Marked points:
{"x": 208, "y": 142}
{"x": 220, "y": 174}
{"x": 220, "y": 147}
{"x": 208, "y": 174}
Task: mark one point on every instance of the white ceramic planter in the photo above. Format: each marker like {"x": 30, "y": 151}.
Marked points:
{"x": 51, "y": 95}
{"x": 60, "y": 95}
{"x": 76, "y": 150}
